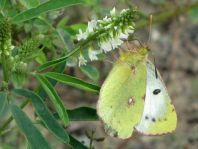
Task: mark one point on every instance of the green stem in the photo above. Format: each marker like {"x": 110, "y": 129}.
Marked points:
{"x": 9, "y": 120}
{"x": 5, "y": 68}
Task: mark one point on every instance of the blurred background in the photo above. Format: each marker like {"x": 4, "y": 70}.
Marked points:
{"x": 174, "y": 43}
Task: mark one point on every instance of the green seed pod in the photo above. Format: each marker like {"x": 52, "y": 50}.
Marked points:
{"x": 5, "y": 31}
{"x": 28, "y": 50}
{"x": 19, "y": 73}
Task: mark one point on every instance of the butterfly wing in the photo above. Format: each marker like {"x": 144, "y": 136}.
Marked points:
{"x": 121, "y": 101}
{"x": 159, "y": 116}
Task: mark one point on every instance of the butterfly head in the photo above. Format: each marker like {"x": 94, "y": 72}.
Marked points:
{"x": 134, "y": 56}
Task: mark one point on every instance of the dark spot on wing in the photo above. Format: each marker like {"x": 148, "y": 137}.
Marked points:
{"x": 153, "y": 119}
{"x": 143, "y": 97}
{"x": 156, "y": 91}
{"x": 146, "y": 117}
{"x": 173, "y": 110}
{"x": 165, "y": 119}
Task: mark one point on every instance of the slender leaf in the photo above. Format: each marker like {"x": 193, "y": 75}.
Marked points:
{"x": 90, "y": 71}
{"x": 76, "y": 144}
{"x": 75, "y": 82}
{"x": 53, "y": 95}
{"x": 2, "y": 4}
{"x": 44, "y": 114}
{"x": 81, "y": 114}
{"x": 33, "y": 135}
{"x": 3, "y": 99}
{"x": 59, "y": 68}
{"x": 53, "y": 62}
{"x": 30, "y": 3}
{"x": 44, "y": 7}
{"x": 6, "y": 146}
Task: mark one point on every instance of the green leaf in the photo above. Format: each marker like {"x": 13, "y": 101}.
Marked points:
{"x": 90, "y": 71}
{"x": 74, "y": 29}
{"x": 53, "y": 62}
{"x": 44, "y": 114}
{"x": 43, "y": 8}
{"x": 53, "y": 95}
{"x": 59, "y": 68}
{"x": 81, "y": 114}
{"x": 2, "y": 4}
{"x": 30, "y": 3}
{"x": 5, "y": 146}
{"x": 73, "y": 81}
{"x": 33, "y": 135}
{"x": 41, "y": 58}
{"x": 76, "y": 144}
{"x": 65, "y": 38}
{"x": 193, "y": 15}
{"x": 3, "y": 100}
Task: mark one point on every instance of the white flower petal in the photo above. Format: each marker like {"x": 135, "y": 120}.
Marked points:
{"x": 12, "y": 47}
{"x": 130, "y": 31}
{"x": 106, "y": 46}
{"x": 91, "y": 25}
{"x": 81, "y": 35}
{"x": 81, "y": 60}
{"x": 123, "y": 36}
{"x": 123, "y": 11}
{"x": 113, "y": 12}
{"x": 106, "y": 19}
{"x": 116, "y": 42}
{"x": 93, "y": 55}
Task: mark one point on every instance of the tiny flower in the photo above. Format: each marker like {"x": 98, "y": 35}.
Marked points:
{"x": 81, "y": 35}
{"x": 108, "y": 33}
{"x": 81, "y": 60}
{"x": 123, "y": 36}
{"x": 106, "y": 46}
{"x": 124, "y": 10}
{"x": 91, "y": 25}
{"x": 116, "y": 42}
{"x": 106, "y": 19}
{"x": 130, "y": 30}
{"x": 12, "y": 47}
{"x": 93, "y": 54}
{"x": 113, "y": 12}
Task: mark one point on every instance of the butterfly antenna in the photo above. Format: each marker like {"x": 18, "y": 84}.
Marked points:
{"x": 150, "y": 28}
{"x": 156, "y": 74}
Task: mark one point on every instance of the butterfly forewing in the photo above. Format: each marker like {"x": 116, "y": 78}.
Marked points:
{"x": 159, "y": 116}
{"x": 120, "y": 104}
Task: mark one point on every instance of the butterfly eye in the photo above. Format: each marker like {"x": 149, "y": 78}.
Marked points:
{"x": 156, "y": 91}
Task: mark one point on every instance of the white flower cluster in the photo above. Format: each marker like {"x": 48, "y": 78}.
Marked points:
{"x": 114, "y": 30}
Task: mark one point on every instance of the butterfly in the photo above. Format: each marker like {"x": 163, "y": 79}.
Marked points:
{"x": 134, "y": 97}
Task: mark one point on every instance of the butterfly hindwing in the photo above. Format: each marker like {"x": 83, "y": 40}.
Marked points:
{"x": 121, "y": 101}
{"x": 159, "y": 116}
